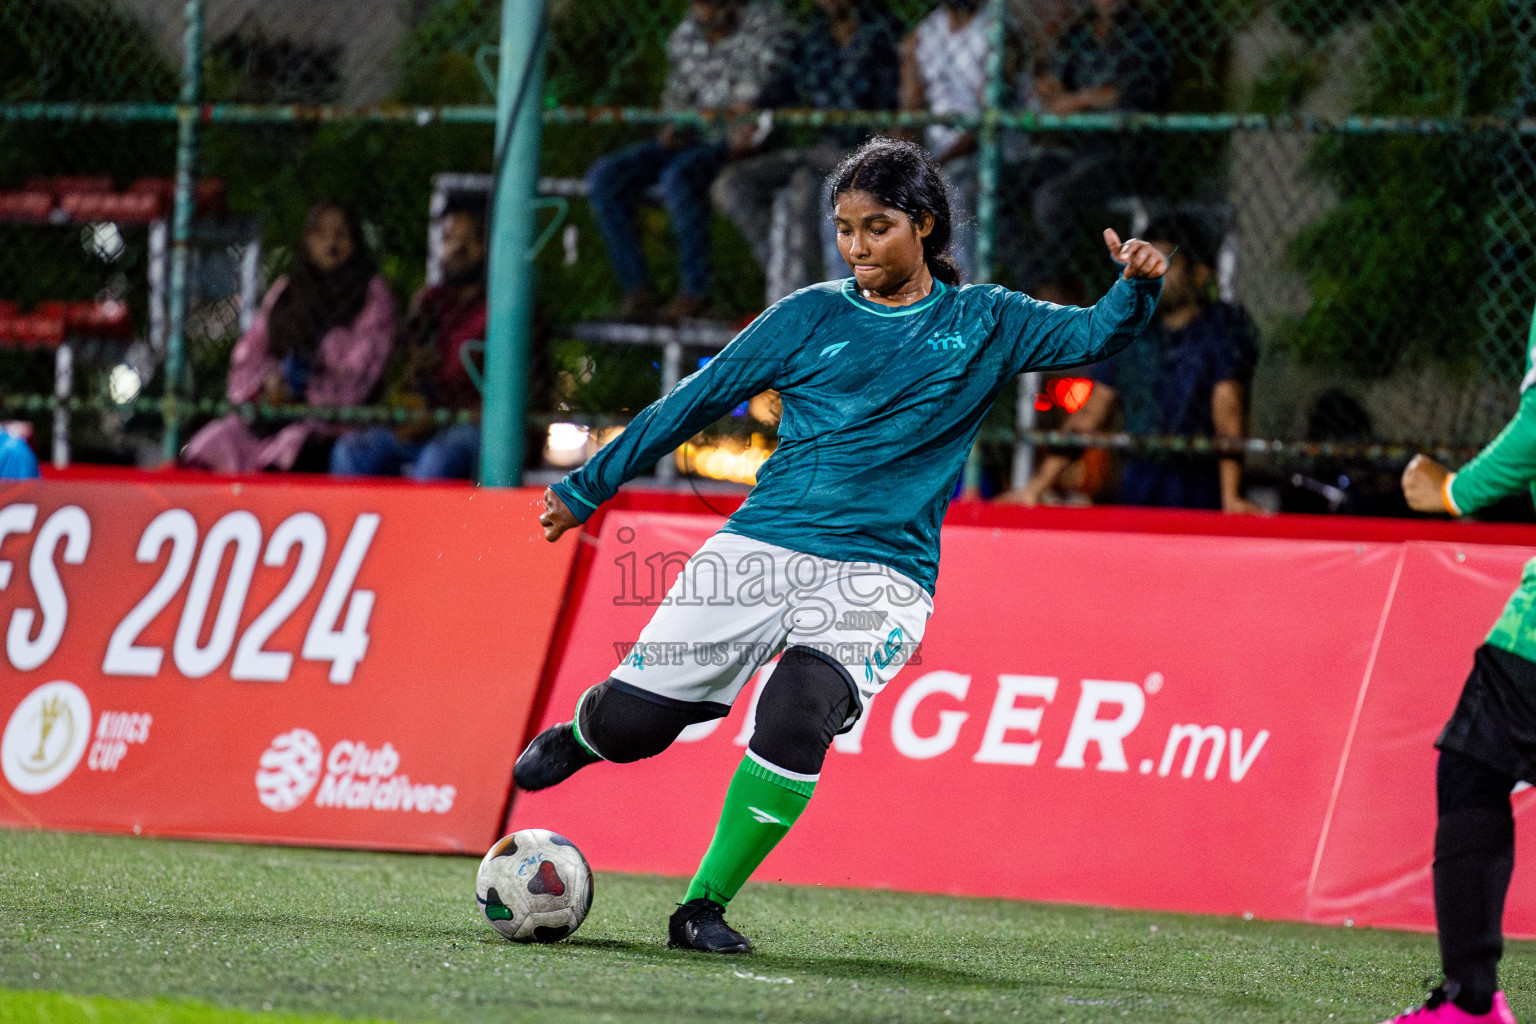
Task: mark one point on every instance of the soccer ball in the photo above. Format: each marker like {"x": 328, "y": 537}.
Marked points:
{"x": 534, "y": 886}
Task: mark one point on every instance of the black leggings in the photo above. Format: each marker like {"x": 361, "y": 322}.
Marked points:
{"x": 1474, "y": 856}
{"x": 803, "y": 705}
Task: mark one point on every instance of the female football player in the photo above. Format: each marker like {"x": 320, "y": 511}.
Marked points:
{"x": 885, "y": 379}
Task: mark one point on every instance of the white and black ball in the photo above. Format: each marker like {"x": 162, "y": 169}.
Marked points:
{"x": 534, "y": 886}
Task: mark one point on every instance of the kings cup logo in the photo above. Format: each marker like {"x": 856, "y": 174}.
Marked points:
{"x": 46, "y": 736}
{"x": 290, "y": 767}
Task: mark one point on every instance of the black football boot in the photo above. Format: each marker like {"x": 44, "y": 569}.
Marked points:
{"x": 700, "y": 924}
{"x": 553, "y": 756}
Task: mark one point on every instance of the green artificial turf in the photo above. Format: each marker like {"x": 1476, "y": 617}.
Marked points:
{"x": 399, "y": 938}
{"x": 56, "y": 1008}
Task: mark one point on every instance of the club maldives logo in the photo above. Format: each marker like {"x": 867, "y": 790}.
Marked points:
{"x": 46, "y": 736}
{"x": 289, "y": 769}
{"x": 356, "y": 777}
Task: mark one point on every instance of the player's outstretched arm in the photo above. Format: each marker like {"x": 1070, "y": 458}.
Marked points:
{"x": 748, "y": 366}
{"x": 1049, "y": 337}
{"x": 1506, "y": 466}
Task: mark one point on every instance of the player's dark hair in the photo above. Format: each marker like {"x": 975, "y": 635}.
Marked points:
{"x": 900, "y": 175}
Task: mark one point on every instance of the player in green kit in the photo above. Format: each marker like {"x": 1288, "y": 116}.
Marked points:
{"x": 832, "y": 559}
{"x": 1489, "y": 744}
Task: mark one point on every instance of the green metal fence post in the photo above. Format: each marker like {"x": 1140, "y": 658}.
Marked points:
{"x": 989, "y": 154}
{"x": 181, "y": 225}
{"x": 988, "y": 158}
{"x": 509, "y": 303}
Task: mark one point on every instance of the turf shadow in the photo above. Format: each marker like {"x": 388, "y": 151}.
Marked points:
{"x": 888, "y": 971}
{"x": 259, "y": 922}
{"x": 851, "y": 968}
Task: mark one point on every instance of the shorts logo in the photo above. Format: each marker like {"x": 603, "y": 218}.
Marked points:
{"x": 290, "y": 767}
{"x": 46, "y": 736}
{"x": 884, "y": 656}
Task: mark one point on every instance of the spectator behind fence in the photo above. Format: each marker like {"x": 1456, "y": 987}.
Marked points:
{"x": 722, "y": 56}
{"x": 1189, "y": 375}
{"x": 428, "y": 370}
{"x": 16, "y": 459}
{"x": 321, "y": 338}
{"x": 1108, "y": 59}
{"x": 845, "y": 60}
{"x": 944, "y": 71}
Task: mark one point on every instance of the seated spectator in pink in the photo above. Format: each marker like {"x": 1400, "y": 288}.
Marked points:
{"x": 428, "y": 371}
{"x": 321, "y": 338}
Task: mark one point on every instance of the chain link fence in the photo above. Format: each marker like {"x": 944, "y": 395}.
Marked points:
{"x": 1367, "y": 167}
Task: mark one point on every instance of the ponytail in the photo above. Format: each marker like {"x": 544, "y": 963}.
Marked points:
{"x": 943, "y": 265}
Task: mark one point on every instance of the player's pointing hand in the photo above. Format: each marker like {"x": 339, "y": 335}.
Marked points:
{"x": 1140, "y": 259}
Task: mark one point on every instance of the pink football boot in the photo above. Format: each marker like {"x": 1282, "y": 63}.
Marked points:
{"x": 1440, "y": 1010}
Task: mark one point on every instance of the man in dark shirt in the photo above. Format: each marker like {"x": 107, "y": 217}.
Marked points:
{"x": 1109, "y": 59}
{"x": 1188, "y": 375}
{"x": 845, "y": 60}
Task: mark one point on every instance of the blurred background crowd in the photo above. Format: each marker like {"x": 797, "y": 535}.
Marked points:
{"x": 1343, "y": 186}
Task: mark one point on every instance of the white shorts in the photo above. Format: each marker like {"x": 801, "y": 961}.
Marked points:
{"x": 739, "y": 602}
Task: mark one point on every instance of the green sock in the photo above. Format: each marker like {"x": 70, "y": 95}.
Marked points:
{"x": 760, "y": 807}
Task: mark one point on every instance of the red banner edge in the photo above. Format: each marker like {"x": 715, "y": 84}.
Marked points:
{"x": 565, "y": 621}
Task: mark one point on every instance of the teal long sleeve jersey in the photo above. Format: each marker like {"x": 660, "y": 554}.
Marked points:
{"x": 881, "y": 405}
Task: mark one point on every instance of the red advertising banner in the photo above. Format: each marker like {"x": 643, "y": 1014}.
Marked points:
{"x": 1114, "y": 718}
{"x": 343, "y": 665}
{"x": 1374, "y": 868}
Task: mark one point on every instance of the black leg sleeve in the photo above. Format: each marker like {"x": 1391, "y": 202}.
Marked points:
{"x": 1474, "y": 856}
{"x": 803, "y": 705}
{"x": 623, "y": 723}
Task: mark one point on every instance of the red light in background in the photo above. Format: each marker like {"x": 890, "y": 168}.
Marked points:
{"x": 1043, "y": 403}
{"x": 1070, "y": 393}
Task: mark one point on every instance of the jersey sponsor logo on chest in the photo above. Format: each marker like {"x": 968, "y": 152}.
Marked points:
{"x": 950, "y": 341}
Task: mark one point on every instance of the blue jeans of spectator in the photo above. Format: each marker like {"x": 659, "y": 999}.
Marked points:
{"x": 16, "y": 459}
{"x": 617, "y": 182}
{"x": 777, "y": 200}
{"x": 452, "y": 454}
{"x": 1171, "y": 483}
